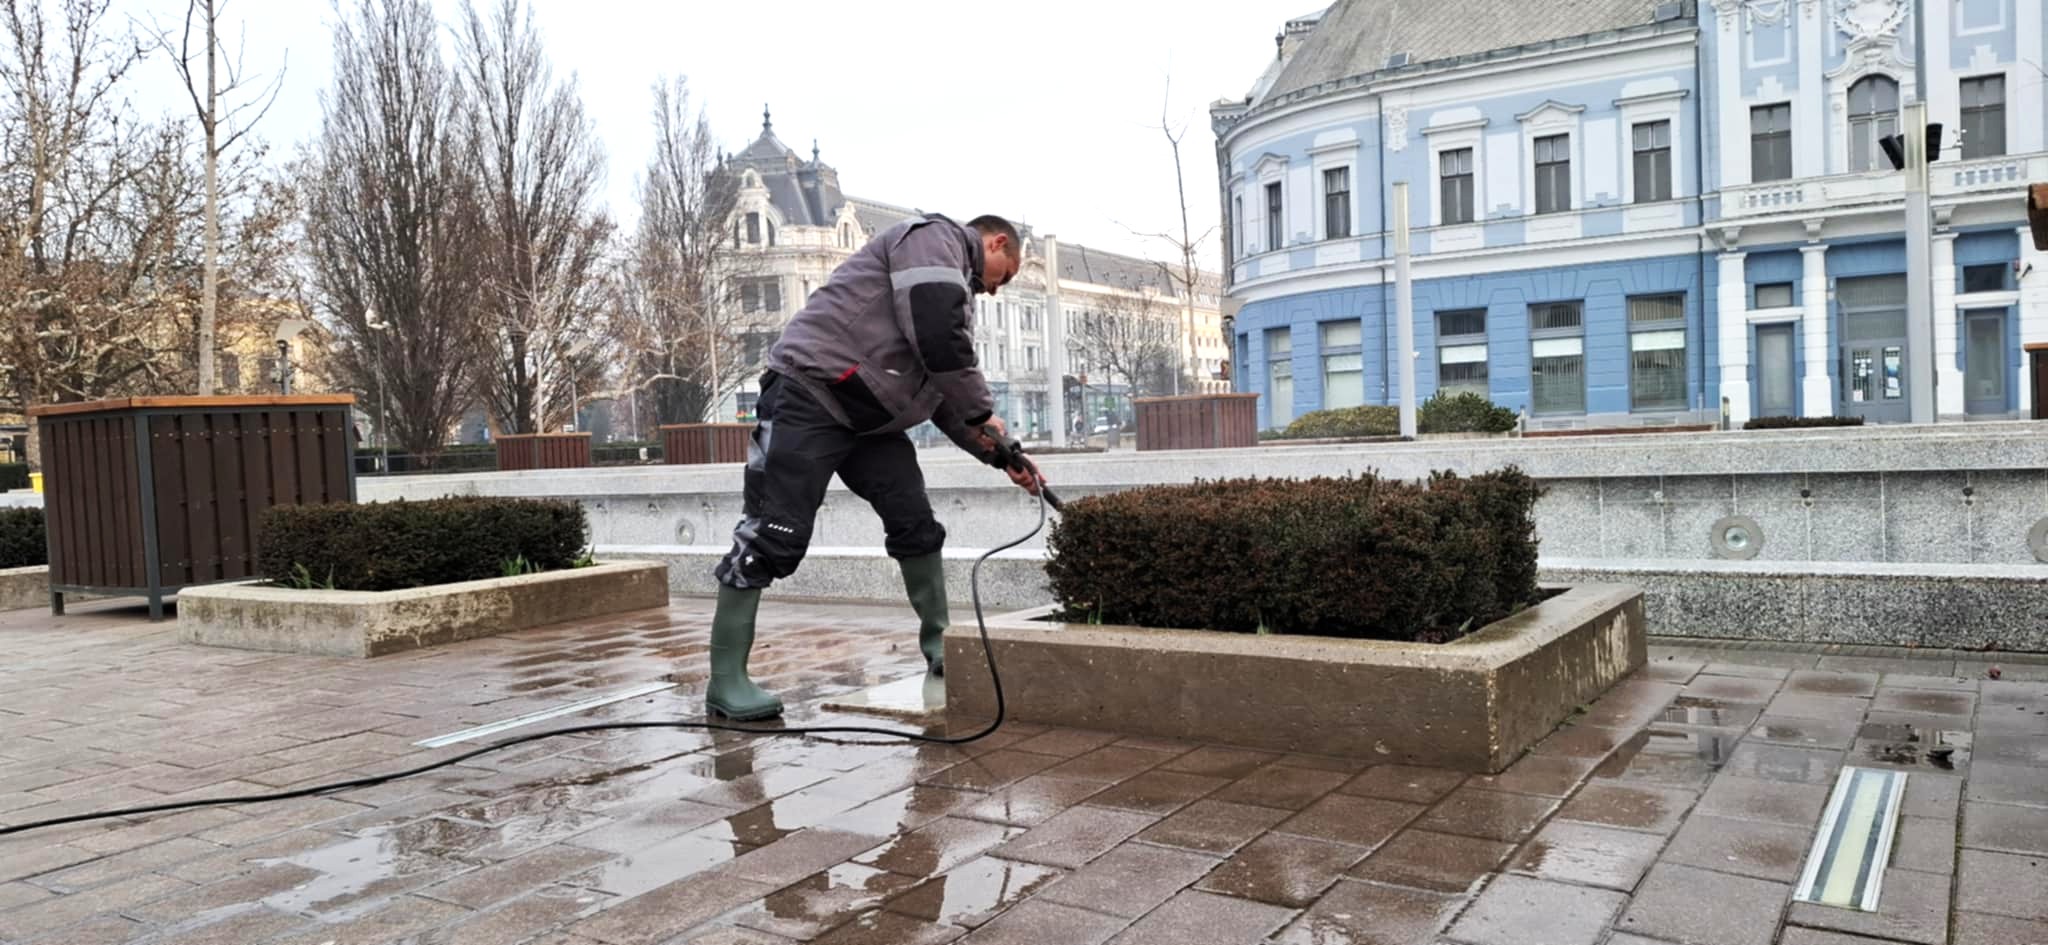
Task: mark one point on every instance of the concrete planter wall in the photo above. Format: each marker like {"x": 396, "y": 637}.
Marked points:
{"x": 1473, "y": 705}
{"x": 373, "y": 623}
{"x": 22, "y": 588}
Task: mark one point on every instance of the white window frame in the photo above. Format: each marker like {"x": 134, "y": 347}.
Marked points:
{"x": 1553, "y": 118}
{"x": 1452, "y": 137}
{"x": 1330, "y": 157}
{"x": 1643, "y": 109}
{"x": 1270, "y": 169}
{"x": 2006, "y": 75}
{"x": 1838, "y": 112}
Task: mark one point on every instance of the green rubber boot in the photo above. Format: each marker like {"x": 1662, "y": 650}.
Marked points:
{"x": 925, "y": 578}
{"x": 730, "y": 692}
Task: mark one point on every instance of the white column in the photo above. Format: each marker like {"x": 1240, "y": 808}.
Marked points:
{"x": 1816, "y": 392}
{"x": 1948, "y": 379}
{"x": 1734, "y": 111}
{"x": 2033, "y": 311}
{"x": 1734, "y": 328}
{"x": 2023, "y": 127}
{"x": 1055, "y": 335}
{"x": 1809, "y": 102}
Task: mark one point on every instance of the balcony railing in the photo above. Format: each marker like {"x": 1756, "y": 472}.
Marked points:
{"x": 1847, "y": 191}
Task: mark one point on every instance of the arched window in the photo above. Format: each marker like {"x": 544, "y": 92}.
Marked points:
{"x": 1873, "y": 116}
{"x": 846, "y": 235}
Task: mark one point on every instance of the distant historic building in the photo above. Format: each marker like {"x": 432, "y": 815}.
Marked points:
{"x": 797, "y": 225}
{"x": 1638, "y": 211}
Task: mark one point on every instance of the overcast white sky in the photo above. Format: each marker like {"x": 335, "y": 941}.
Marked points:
{"x": 1042, "y": 111}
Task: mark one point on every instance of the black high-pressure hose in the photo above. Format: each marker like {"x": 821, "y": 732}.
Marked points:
{"x": 1009, "y": 454}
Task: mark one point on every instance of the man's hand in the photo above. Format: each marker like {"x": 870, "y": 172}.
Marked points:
{"x": 993, "y": 436}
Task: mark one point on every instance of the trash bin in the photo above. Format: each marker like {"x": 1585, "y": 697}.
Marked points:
{"x": 694, "y": 443}
{"x": 543, "y": 451}
{"x": 2037, "y": 371}
{"x": 147, "y": 495}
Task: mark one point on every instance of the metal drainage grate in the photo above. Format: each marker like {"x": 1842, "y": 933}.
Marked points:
{"x": 543, "y": 715}
{"x": 1846, "y": 865}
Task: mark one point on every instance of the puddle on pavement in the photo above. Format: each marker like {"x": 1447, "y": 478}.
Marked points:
{"x": 356, "y": 875}
{"x": 1913, "y": 745}
{"x": 659, "y": 865}
{"x": 1709, "y": 712}
{"x": 810, "y": 908}
{"x": 971, "y": 893}
{"x": 1938, "y": 703}
{"x": 1666, "y": 756}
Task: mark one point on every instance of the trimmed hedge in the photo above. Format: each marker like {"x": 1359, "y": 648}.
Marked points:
{"x": 387, "y": 546}
{"x": 1787, "y": 423}
{"x": 13, "y": 476}
{"x": 24, "y": 542}
{"x": 1463, "y": 412}
{"x": 1358, "y": 557}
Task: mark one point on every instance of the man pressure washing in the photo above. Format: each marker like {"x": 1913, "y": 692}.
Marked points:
{"x": 885, "y": 345}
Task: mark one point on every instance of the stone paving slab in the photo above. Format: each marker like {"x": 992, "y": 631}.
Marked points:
{"x": 1675, "y": 810}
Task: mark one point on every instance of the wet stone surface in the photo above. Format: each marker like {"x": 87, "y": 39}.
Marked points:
{"x": 1675, "y": 810}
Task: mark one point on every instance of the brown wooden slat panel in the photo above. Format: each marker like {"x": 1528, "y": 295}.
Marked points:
{"x": 230, "y": 502}
{"x": 256, "y": 477}
{"x": 106, "y": 547}
{"x": 306, "y": 450}
{"x": 201, "y": 517}
{"x": 188, "y": 403}
{"x": 284, "y": 476}
{"x": 337, "y": 466}
{"x": 173, "y": 541}
{"x": 79, "y": 449}
{"x": 134, "y": 572}
{"x": 61, "y": 490}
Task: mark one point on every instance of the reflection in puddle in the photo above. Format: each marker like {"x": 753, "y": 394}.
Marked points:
{"x": 1909, "y": 745}
{"x": 809, "y": 908}
{"x": 1712, "y": 713}
{"x": 975, "y": 891}
{"x": 660, "y": 864}
{"x": 1685, "y": 757}
{"x": 356, "y": 875}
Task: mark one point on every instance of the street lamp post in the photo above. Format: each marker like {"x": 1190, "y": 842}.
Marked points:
{"x": 377, "y": 329}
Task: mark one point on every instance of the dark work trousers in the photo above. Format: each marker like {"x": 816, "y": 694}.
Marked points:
{"x": 796, "y": 449}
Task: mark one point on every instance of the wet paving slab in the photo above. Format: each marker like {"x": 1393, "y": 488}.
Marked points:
{"x": 1676, "y": 808}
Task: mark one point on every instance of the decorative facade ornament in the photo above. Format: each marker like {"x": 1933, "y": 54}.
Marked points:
{"x": 1728, "y": 10}
{"x": 1766, "y": 13}
{"x": 1397, "y": 128}
{"x": 1809, "y": 9}
{"x": 1869, "y": 20}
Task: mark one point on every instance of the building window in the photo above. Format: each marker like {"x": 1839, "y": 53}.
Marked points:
{"x": 1653, "y": 161}
{"x": 230, "y": 371}
{"x": 1873, "y": 116}
{"x": 1984, "y": 116}
{"x": 1343, "y": 365}
{"x": 761, "y": 295}
{"x": 1557, "y": 358}
{"x": 1279, "y": 377}
{"x": 1656, "y": 347}
{"x": 1337, "y": 203}
{"x": 1237, "y": 222}
{"x": 1553, "y": 173}
{"x": 1454, "y": 175}
{"x": 1272, "y": 216}
{"x": 1461, "y": 352}
{"x": 1986, "y": 278}
{"x": 1770, "y": 142}
{"x": 1773, "y": 295}
{"x": 753, "y": 228}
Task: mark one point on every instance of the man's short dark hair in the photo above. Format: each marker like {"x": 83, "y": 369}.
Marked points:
{"x": 990, "y": 223}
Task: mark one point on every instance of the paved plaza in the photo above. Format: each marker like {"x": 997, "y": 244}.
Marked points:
{"x": 1677, "y": 809}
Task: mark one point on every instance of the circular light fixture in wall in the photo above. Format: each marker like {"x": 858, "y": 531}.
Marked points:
{"x": 2037, "y": 540}
{"x": 685, "y": 535}
{"x": 1736, "y": 536}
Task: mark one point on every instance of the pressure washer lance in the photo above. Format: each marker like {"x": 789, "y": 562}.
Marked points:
{"x": 1009, "y": 454}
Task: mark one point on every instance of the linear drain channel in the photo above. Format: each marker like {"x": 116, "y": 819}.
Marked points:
{"x": 543, "y": 715}
{"x": 1846, "y": 865}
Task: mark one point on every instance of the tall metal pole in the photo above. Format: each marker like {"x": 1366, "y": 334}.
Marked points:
{"x": 383, "y": 413}
{"x": 1920, "y": 348}
{"x": 1404, "y": 311}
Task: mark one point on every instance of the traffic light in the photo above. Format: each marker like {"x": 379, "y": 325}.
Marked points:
{"x": 1895, "y": 146}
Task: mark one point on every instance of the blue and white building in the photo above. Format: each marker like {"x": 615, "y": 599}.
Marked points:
{"x": 1626, "y": 213}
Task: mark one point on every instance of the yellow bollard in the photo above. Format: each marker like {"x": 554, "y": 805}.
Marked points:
{"x": 35, "y": 481}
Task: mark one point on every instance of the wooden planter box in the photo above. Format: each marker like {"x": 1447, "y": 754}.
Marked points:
{"x": 1475, "y": 704}
{"x": 149, "y": 495}
{"x": 1198, "y": 422}
{"x": 22, "y": 588}
{"x": 373, "y": 623}
{"x": 543, "y": 451}
{"x": 695, "y": 443}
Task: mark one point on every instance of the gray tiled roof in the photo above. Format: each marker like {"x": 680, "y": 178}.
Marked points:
{"x": 1358, "y": 36}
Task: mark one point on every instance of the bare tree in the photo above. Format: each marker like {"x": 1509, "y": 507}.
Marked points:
{"x": 1128, "y": 337}
{"x": 677, "y": 312}
{"x": 1183, "y": 271}
{"x": 534, "y": 156}
{"x": 222, "y": 129}
{"x": 392, "y": 223}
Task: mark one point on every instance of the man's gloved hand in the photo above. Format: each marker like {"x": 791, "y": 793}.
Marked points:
{"x": 1005, "y": 454}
